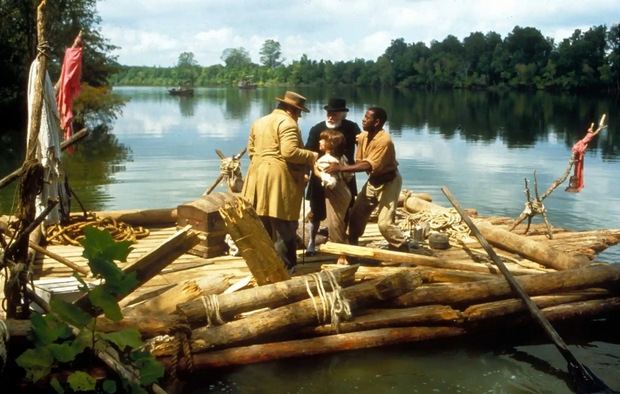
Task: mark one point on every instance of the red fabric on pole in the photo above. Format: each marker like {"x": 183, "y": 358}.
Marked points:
{"x": 579, "y": 150}
{"x": 69, "y": 88}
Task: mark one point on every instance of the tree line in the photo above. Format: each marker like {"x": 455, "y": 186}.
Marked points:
{"x": 524, "y": 59}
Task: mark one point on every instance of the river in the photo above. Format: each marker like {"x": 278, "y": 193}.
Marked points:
{"x": 480, "y": 145}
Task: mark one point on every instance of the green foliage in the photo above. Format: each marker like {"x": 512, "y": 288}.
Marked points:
{"x": 270, "y": 54}
{"x": 62, "y": 336}
{"x": 64, "y": 20}
{"x": 81, "y": 381}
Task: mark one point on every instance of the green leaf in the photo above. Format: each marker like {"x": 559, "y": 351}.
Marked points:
{"x": 150, "y": 368}
{"x": 109, "y": 386}
{"x": 84, "y": 286}
{"x": 124, "y": 285}
{"x": 36, "y": 362}
{"x": 104, "y": 300}
{"x": 41, "y": 330}
{"x": 64, "y": 352}
{"x": 81, "y": 381}
{"x": 56, "y": 386}
{"x": 128, "y": 337}
{"x": 71, "y": 313}
{"x": 100, "y": 244}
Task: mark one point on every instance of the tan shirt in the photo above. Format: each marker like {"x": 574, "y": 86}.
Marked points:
{"x": 379, "y": 152}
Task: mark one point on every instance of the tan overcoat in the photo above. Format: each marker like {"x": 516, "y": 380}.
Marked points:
{"x": 275, "y": 180}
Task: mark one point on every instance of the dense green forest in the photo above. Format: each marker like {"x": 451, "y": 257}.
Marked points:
{"x": 524, "y": 59}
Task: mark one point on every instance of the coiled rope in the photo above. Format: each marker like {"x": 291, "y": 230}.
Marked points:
{"x": 445, "y": 221}
{"x": 72, "y": 233}
{"x": 333, "y": 304}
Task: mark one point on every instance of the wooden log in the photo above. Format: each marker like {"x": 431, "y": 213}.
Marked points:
{"x": 512, "y": 306}
{"x": 272, "y": 296}
{"x": 149, "y": 265}
{"x": 291, "y": 317}
{"x": 535, "y": 251}
{"x": 414, "y": 204}
{"x": 428, "y": 275}
{"x": 385, "y": 318}
{"x": 166, "y": 302}
{"x": 316, "y": 346}
{"x": 255, "y": 245}
{"x": 402, "y": 257}
{"x": 478, "y": 292}
{"x": 140, "y": 217}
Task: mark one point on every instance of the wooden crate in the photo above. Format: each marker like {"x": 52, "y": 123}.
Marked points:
{"x": 203, "y": 215}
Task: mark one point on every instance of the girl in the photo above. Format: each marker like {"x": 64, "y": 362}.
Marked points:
{"x": 337, "y": 193}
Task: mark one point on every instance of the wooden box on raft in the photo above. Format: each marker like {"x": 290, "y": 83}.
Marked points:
{"x": 203, "y": 215}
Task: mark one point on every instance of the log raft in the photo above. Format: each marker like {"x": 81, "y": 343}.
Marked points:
{"x": 403, "y": 298}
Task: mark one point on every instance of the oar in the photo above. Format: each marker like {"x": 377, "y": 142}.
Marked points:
{"x": 585, "y": 381}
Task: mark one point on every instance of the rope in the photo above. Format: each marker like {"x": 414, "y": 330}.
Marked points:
{"x": 334, "y": 304}
{"x": 444, "y": 221}
{"x": 182, "y": 333}
{"x": 71, "y": 234}
{"x": 212, "y": 310}
{"x": 230, "y": 168}
{"x": 4, "y": 340}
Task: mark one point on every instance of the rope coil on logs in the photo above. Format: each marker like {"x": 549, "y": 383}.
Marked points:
{"x": 445, "y": 221}
{"x": 230, "y": 169}
{"x": 333, "y": 303}
{"x": 212, "y": 310}
{"x": 72, "y": 233}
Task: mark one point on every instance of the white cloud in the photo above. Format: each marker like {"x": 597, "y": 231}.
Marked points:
{"x": 154, "y": 32}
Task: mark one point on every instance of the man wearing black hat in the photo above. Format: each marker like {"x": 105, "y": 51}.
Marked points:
{"x": 335, "y": 120}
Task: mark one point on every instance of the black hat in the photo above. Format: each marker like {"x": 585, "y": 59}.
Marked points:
{"x": 336, "y": 104}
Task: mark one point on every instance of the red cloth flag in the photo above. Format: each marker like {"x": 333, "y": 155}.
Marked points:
{"x": 69, "y": 89}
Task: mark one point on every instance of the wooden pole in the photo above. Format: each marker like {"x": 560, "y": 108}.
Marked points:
{"x": 582, "y": 376}
{"x": 80, "y": 135}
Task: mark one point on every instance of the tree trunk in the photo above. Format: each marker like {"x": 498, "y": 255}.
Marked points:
{"x": 293, "y": 316}
{"x": 535, "y": 251}
{"x": 477, "y": 292}
{"x": 272, "y": 296}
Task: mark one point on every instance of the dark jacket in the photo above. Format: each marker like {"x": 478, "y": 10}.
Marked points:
{"x": 315, "y": 192}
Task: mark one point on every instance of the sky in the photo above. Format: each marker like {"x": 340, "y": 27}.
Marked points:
{"x": 155, "y": 32}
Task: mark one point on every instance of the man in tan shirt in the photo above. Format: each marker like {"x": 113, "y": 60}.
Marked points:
{"x": 277, "y": 176}
{"x": 376, "y": 156}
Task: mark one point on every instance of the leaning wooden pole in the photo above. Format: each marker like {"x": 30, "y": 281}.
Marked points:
{"x": 582, "y": 376}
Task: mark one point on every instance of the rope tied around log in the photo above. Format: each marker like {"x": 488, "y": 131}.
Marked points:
{"x": 212, "y": 310}
{"x": 72, "y": 233}
{"x": 334, "y": 304}
{"x": 44, "y": 48}
{"x": 442, "y": 221}
{"x": 30, "y": 185}
{"x": 181, "y": 331}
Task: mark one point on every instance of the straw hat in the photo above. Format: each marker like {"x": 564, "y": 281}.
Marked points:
{"x": 294, "y": 99}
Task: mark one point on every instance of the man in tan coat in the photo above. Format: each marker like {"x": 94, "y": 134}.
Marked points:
{"x": 276, "y": 177}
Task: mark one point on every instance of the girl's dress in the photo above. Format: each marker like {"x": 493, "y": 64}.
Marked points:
{"x": 337, "y": 197}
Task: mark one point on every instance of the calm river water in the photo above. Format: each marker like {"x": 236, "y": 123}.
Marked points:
{"x": 480, "y": 145}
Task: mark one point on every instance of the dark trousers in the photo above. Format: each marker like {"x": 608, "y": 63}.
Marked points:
{"x": 283, "y": 233}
